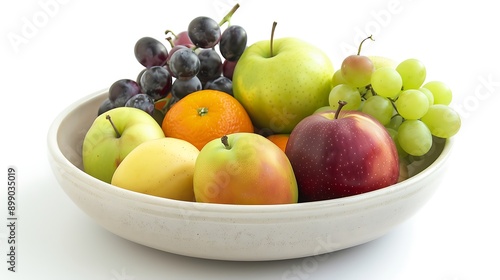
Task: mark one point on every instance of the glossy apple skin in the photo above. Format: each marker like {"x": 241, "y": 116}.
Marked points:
{"x": 103, "y": 151}
{"x": 279, "y": 91}
{"x": 341, "y": 157}
{"x": 162, "y": 167}
{"x": 252, "y": 171}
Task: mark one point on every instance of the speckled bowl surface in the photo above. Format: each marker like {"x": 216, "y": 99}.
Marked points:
{"x": 234, "y": 232}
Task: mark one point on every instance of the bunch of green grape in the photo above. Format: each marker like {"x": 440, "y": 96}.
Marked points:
{"x": 414, "y": 111}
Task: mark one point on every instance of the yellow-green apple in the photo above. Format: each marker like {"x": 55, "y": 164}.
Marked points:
{"x": 162, "y": 167}
{"x": 341, "y": 153}
{"x": 112, "y": 136}
{"x": 280, "y": 82}
{"x": 244, "y": 168}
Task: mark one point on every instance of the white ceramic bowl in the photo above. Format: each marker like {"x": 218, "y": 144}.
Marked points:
{"x": 234, "y": 232}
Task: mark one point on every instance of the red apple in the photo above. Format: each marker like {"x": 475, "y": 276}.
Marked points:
{"x": 342, "y": 153}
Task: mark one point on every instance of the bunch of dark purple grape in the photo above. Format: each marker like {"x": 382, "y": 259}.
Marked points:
{"x": 201, "y": 57}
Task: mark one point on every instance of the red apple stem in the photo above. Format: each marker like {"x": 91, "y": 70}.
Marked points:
{"x": 360, "y": 44}
{"x": 108, "y": 117}
{"x": 341, "y": 104}
{"x": 272, "y": 38}
{"x": 225, "y": 142}
{"x": 227, "y": 18}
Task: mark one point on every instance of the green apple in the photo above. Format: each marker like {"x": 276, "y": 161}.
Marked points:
{"x": 244, "y": 168}
{"x": 112, "y": 136}
{"x": 280, "y": 82}
{"x": 162, "y": 167}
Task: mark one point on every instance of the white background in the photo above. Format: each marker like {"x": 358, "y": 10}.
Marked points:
{"x": 57, "y": 53}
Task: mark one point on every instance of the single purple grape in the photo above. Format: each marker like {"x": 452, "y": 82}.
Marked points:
{"x": 233, "y": 42}
{"x": 181, "y": 88}
{"x": 142, "y": 101}
{"x": 156, "y": 82}
{"x": 221, "y": 84}
{"x": 150, "y": 52}
{"x": 122, "y": 90}
{"x": 204, "y": 32}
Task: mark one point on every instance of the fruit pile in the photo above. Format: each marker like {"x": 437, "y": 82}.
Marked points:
{"x": 191, "y": 64}
{"x": 399, "y": 97}
{"x": 270, "y": 123}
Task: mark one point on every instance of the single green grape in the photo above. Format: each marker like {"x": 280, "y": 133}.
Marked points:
{"x": 441, "y": 92}
{"x": 345, "y": 93}
{"x": 442, "y": 121}
{"x": 395, "y": 122}
{"x": 323, "y": 109}
{"x": 412, "y": 104}
{"x": 394, "y": 135}
{"x": 414, "y": 137}
{"x": 412, "y": 72}
{"x": 379, "y": 107}
{"x": 337, "y": 78}
{"x": 429, "y": 95}
{"x": 357, "y": 70}
{"x": 387, "y": 82}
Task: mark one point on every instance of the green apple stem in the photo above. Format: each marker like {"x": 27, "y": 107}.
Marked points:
{"x": 341, "y": 104}
{"x": 227, "y": 18}
{"x": 224, "y": 141}
{"x": 360, "y": 44}
{"x": 118, "y": 135}
{"x": 272, "y": 38}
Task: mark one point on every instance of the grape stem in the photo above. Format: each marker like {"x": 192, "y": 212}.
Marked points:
{"x": 171, "y": 32}
{"x": 393, "y": 102}
{"x": 227, "y": 18}
{"x": 341, "y": 104}
{"x": 360, "y": 44}
{"x": 169, "y": 39}
{"x": 118, "y": 135}
{"x": 169, "y": 102}
{"x": 272, "y": 39}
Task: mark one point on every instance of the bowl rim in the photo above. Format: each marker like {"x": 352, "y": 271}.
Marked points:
{"x": 205, "y": 208}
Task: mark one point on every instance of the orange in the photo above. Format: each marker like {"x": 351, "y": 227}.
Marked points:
{"x": 160, "y": 104}
{"x": 205, "y": 115}
{"x": 279, "y": 139}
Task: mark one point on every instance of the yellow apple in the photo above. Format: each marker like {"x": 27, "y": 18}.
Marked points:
{"x": 162, "y": 167}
